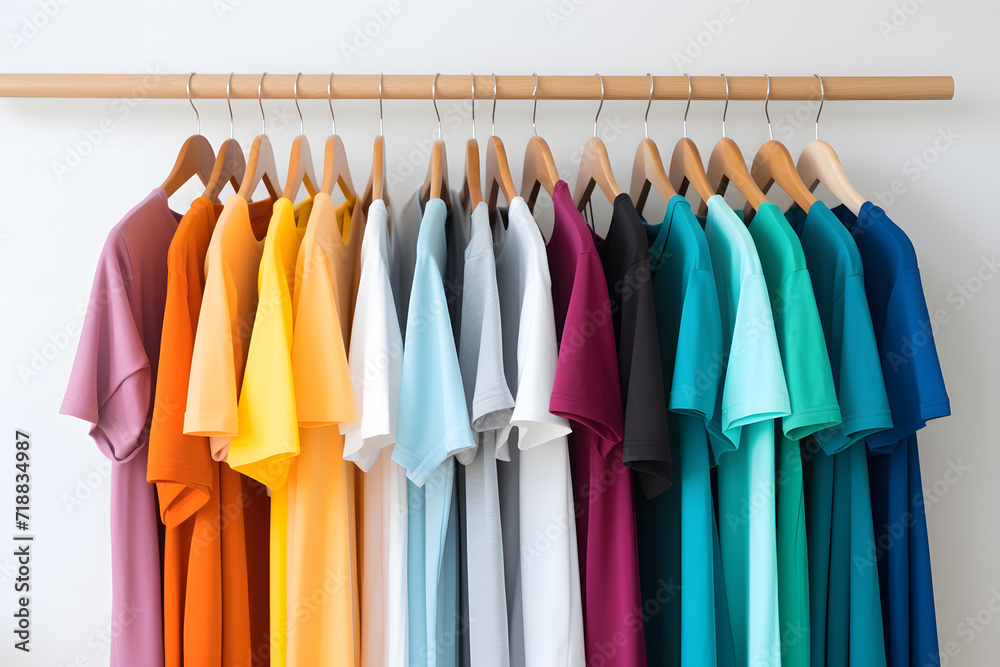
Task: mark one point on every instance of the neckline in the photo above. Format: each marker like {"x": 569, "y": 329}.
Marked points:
{"x": 170, "y": 216}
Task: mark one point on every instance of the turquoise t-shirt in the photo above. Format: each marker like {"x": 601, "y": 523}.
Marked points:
{"x": 754, "y": 394}
{"x": 845, "y": 609}
{"x": 433, "y": 424}
{"x": 680, "y": 572}
{"x": 813, "y": 407}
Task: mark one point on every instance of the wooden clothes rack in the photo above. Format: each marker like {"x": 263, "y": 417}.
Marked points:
{"x": 457, "y": 86}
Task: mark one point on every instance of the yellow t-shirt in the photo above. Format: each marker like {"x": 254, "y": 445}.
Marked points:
{"x": 324, "y": 490}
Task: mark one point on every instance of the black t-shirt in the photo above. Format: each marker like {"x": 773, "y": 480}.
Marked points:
{"x": 625, "y": 257}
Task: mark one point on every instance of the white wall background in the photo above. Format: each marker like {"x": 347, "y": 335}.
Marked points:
{"x": 53, "y": 224}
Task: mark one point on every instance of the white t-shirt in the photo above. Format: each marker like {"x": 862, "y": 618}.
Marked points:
{"x": 536, "y": 494}
{"x": 376, "y": 360}
{"x": 490, "y": 406}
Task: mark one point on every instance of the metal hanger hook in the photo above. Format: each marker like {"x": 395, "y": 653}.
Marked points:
{"x": 434, "y": 100}
{"x": 725, "y": 109}
{"x": 329, "y": 97}
{"x": 688, "y": 107}
{"x": 599, "y": 106}
{"x": 229, "y": 101}
{"x": 191, "y": 102}
{"x": 493, "y": 118}
{"x": 822, "y": 96}
{"x": 380, "y": 103}
{"x": 473, "y": 77}
{"x": 767, "y": 98}
{"x": 263, "y": 119}
{"x": 534, "y": 107}
{"x": 645, "y": 119}
{"x": 295, "y": 93}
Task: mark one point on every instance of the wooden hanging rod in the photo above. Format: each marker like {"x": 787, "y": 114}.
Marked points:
{"x": 458, "y": 86}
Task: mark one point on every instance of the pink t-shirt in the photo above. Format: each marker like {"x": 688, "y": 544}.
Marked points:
{"x": 111, "y": 386}
{"x": 586, "y": 391}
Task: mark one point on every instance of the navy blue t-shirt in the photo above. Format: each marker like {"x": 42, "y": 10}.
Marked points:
{"x": 915, "y": 388}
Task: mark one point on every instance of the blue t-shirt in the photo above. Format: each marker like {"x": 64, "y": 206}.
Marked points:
{"x": 916, "y": 390}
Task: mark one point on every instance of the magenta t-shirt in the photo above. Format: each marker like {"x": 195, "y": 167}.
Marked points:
{"x": 111, "y": 386}
{"x": 586, "y": 391}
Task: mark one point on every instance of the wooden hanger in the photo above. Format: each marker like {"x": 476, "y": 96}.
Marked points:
{"x": 819, "y": 163}
{"x": 647, "y": 168}
{"x": 336, "y": 171}
{"x": 472, "y": 192}
{"x": 774, "y": 164}
{"x": 539, "y": 166}
{"x": 498, "y": 178}
{"x": 728, "y": 166}
{"x": 300, "y": 162}
{"x": 595, "y": 167}
{"x": 196, "y": 157}
{"x": 686, "y": 165}
{"x": 377, "y": 178}
{"x": 436, "y": 183}
{"x": 260, "y": 161}
{"x": 230, "y": 163}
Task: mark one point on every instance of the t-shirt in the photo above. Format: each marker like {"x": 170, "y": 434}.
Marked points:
{"x": 111, "y": 387}
{"x": 541, "y": 566}
{"x": 845, "y": 615}
{"x": 916, "y": 391}
{"x": 586, "y": 391}
{"x": 753, "y": 395}
{"x": 675, "y": 529}
{"x": 221, "y": 342}
{"x": 324, "y": 490}
{"x": 814, "y": 407}
{"x": 268, "y": 427}
{"x": 625, "y": 257}
{"x": 433, "y": 424}
{"x": 375, "y": 361}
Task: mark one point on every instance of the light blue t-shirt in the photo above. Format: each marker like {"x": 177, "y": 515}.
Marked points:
{"x": 753, "y": 396}
{"x": 433, "y": 425}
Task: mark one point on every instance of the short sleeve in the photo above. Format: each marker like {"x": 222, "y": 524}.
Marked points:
{"x": 375, "y": 362}
{"x": 587, "y": 387}
{"x": 211, "y": 399}
{"x": 646, "y": 442}
{"x": 180, "y": 465}
{"x": 320, "y": 370}
{"x": 536, "y": 370}
{"x": 913, "y": 378}
{"x": 857, "y": 371}
{"x": 110, "y": 384}
{"x": 811, "y": 391}
{"x": 698, "y": 367}
{"x": 754, "y": 387}
{"x": 433, "y": 415}
{"x": 268, "y": 429}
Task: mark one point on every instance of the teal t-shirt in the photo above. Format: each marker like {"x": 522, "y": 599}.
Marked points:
{"x": 845, "y": 609}
{"x": 754, "y": 394}
{"x": 814, "y": 407}
{"x": 675, "y": 528}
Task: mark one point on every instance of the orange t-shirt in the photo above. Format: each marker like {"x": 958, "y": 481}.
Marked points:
{"x": 211, "y": 512}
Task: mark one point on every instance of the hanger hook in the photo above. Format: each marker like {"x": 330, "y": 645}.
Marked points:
{"x": 599, "y": 106}
{"x": 229, "y": 101}
{"x": 767, "y": 98}
{"x": 725, "y": 108}
{"x": 688, "y": 107}
{"x": 473, "y": 78}
{"x": 434, "y": 100}
{"x": 493, "y": 118}
{"x": 645, "y": 119}
{"x": 822, "y": 96}
{"x": 263, "y": 120}
{"x": 191, "y": 102}
{"x": 380, "y": 103}
{"x": 329, "y": 97}
{"x": 534, "y": 108}
{"x": 295, "y": 93}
